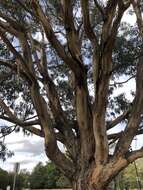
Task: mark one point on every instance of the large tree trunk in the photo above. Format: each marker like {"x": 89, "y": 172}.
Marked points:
{"x": 98, "y": 176}
{"x": 90, "y": 180}
{"x": 86, "y": 184}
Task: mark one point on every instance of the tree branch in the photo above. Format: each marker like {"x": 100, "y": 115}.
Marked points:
{"x": 7, "y": 130}
{"x": 135, "y": 155}
{"x": 135, "y": 117}
{"x": 8, "y": 63}
{"x": 119, "y": 66}
{"x": 119, "y": 134}
{"x": 17, "y": 121}
{"x": 39, "y": 102}
{"x": 118, "y": 120}
{"x": 8, "y": 28}
{"x": 51, "y": 146}
{"x": 112, "y": 22}
{"x": 23, "y": 5}
{"x": 100, "y": 8}
{"x": 15, "y": 25}
{"x": 9, "y": 45}
{"x": 115, "y": 25}
{"x": 5, "y": 76}
{"x": 87, "y": 25}
{"x": 123, "y": 82}
{"x": 139, "y": 17}
{"x": 71, "y": 32}
{"x": 19, "y": 59}
{"x": 21, "y": 32}
{"x": 54, "y": 102}
{"x": 103, "y": 67}
{"x": 73, "y": 65}
{"x": 11, "y": 117}
{"x": 7, "y": 110}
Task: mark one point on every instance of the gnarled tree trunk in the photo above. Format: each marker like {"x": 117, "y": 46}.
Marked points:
{"x": 76, "y": 118}
{"x": 88, "y": 182}
{"x": 98, "y": 176}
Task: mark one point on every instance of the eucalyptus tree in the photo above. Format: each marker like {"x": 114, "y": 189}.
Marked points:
{"x": 60, "y": 64}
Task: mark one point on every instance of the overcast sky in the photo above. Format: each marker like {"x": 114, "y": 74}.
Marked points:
{"x": 28, "y": 151}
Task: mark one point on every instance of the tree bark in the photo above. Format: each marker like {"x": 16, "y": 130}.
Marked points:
{"x": 85, "y": 184}
{"x": 92, "y": 178}
{"x": 87, "y": 162}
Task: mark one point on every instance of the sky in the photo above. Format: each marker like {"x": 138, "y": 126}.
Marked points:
{"x": 29, "y": 150}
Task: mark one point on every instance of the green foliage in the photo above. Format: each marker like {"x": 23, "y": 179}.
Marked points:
{"x": 134, "y": 174}
{"x": 3, "y": 179}
{"x": 131, "y": 177}
{"x": 47, "y": 176}
{"x": 4, "y": 152}
{"x": 7, "y": 179}
{"x": 43, "y": 176}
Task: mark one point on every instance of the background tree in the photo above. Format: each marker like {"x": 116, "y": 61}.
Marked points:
{"x": 60, "y": 86}
{"x": 47, "y": 177}
{"x": 6, "y": 179}
{"x": 3, "y": 179}
{"x": 21, "y": 180}
{"x": 131, "y": 176}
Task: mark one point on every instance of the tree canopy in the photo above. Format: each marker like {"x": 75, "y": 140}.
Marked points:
{"x": 6, "y": 179}
{"x": 47, "y": 177}
{"x": 60, "y": 64}
{"x": 42, "y": 177}
{"x": 3, "y": 179}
